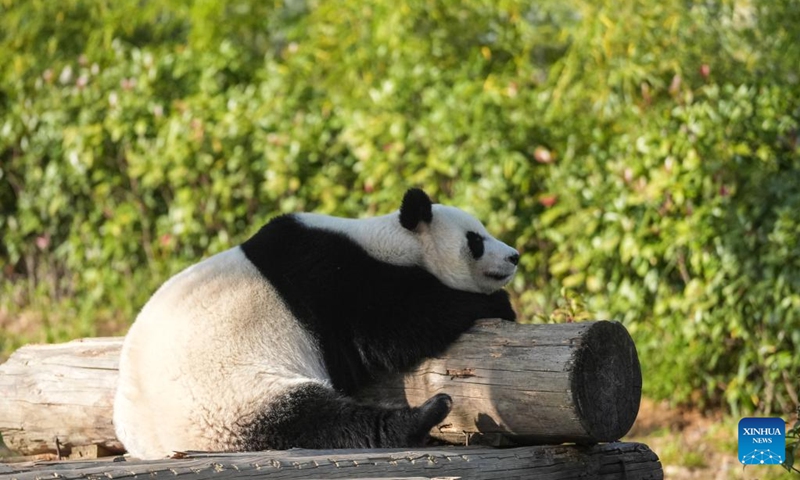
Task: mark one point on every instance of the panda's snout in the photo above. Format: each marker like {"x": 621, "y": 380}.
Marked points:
{"x": 513, "y": 258}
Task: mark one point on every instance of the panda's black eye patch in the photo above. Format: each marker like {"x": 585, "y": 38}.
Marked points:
{"x": 475, "y": 243}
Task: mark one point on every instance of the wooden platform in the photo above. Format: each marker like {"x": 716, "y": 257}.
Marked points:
{"x": 630, "y": 461}
{"x": 535, "y": 387}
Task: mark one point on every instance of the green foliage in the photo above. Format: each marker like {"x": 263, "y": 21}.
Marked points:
{"x": 642, "y": 155}
{"x": 793, "y": 445}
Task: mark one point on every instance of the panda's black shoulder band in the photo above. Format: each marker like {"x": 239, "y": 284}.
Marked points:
{"x": 416, "y": 207}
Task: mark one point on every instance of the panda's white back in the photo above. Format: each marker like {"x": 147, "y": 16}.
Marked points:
{"x": 208, "y": 350}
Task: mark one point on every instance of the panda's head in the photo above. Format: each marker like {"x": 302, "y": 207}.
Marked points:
{"x": 456, "y": 247}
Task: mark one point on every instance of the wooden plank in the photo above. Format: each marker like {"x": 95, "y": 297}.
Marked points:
{"x": 511, "y": 384}
{"x": 607, "y": 461}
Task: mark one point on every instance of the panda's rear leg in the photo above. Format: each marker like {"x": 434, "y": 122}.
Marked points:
{"x": 313, "y": 416}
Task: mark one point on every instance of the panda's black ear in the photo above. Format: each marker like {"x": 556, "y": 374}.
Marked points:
{"x": 416, "y": 208}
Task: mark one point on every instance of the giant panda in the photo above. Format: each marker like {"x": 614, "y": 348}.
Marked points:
{"x": 261, "y": 346}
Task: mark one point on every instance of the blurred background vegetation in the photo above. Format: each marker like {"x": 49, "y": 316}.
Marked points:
{"x": 642, "y": 154}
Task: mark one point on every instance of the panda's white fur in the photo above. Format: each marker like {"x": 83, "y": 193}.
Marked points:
{"x": 222, "y": 358}
{"x": 204, "y": 357}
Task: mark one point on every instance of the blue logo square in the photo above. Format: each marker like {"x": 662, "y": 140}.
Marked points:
{"x": 762, "y": 441}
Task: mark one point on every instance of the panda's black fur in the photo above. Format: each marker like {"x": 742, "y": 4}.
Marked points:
{"x": 370, "y": 317}
{"x": 313, "y": 416}
{"x": 202, "y": 370}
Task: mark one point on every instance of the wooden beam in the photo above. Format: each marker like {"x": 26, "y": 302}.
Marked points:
{"x": 511, "y": 384}
{"x": 608, "y": 461}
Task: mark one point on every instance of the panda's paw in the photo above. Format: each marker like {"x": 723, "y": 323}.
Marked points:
{"x": 435, "y": 409}
{"x": 430, "y": 414}
{"x": 500, "y": 306}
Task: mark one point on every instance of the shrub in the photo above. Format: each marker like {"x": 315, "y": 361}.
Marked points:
{"x": 643, "y": 156}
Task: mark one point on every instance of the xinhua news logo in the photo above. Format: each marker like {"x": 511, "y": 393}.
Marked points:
{"x": 762, "y": 441}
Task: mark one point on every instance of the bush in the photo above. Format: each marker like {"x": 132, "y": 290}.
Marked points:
{"x": 642, "y": 155}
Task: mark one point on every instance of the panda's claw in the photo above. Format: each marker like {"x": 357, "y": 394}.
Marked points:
{"x": 434, "y": 411}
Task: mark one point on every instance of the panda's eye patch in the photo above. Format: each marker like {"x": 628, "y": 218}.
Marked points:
{"x": 475, "y": 243}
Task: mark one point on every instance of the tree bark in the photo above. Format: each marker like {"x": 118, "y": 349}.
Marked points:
{"x": 511, "y": 384}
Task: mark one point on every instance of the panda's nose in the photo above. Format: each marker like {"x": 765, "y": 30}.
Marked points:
{"x": 513, "y": 259}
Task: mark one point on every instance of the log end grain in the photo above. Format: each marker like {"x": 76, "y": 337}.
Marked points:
{"x": 606, "y": 381}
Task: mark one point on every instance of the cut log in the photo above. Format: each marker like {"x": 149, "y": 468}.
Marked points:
{"x": 518, "y": 384}
{"x": 608, "y": 461}
{"x": 55, "y": 397}
{"x": 510, "y": 383}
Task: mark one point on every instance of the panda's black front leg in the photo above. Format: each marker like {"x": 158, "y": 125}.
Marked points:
{"x": 459, "y": 314}
{"x": 499, "y": 306}
{"x": 396, "y": 335}
{"x": 433, "y": 326}
{"x": 464, "y": 308}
